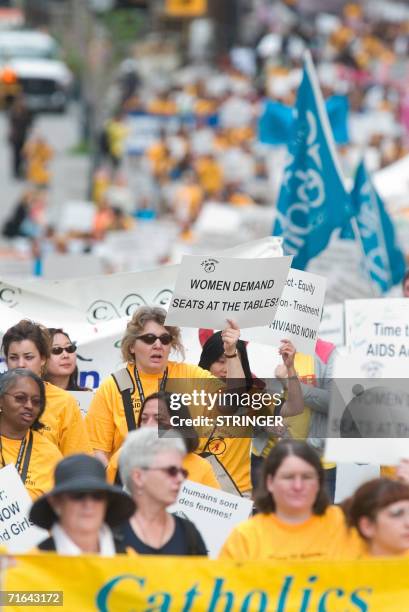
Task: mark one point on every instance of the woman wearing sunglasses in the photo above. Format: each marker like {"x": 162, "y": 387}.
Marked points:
{"x": 145, "y": 347}
{"x": 61, "y": 369}
{"x": 27, "y": 345}
{"x": 81, "y": 509}
{"x": 152, "y": 470}
{"x": 156, "y": 413}
{"x": 22, "y": 404}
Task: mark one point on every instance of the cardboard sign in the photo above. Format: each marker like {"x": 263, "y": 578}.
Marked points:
{"x": 213, "y": 511}
{"x": 377, "y": 331}
{"x": 298, "y": 314}
{"x": 17, "y": 532}
{"x": 210, "y": 290}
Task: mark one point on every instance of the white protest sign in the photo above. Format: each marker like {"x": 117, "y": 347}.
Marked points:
{"x": 17, "y": 532}
{"x": 298, "y": 314}
{"x": 210, "y": 290}
{"x": 83, "y": 399}
{"x": 332, "y": 324}
{"x": 213, "y": 511}
{"x": 378, "y": 331}
{"x": 367, "y": 416}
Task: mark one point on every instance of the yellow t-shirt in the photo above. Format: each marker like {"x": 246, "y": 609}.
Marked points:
{"x": 106, "y": 419}
{"x": 44, "y": 458}
{"x": 264, "y": 537}
{"x": 63, "y": 422}
{"x": 199, "y": 469}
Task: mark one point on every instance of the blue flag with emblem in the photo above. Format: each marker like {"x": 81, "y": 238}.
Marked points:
{"x": 384, "y": 260}
{"x": 313, "y": 200}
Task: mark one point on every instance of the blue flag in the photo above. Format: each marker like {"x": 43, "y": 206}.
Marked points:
{"x": 276, "y": 123}
{"x": 384, "y": 261}
{"x": 313, "y": 200}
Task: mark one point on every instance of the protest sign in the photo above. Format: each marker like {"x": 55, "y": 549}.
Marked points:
{"x": 332, "y": 324}
{"x": 17, "y": 533}
{"x": 210, "y": 290}
{"x": 213, "y": 511}
{"x": 83, "y": 399}
{"x": 298, "y": 314}
{"x": 377, "y": 331}
{"x": 368, "y": 418}
{"x": 159, "y": 583}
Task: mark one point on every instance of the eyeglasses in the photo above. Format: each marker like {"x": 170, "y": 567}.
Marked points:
{"x": 165, "y": 339}
{"x": 23, "y": 398}
{"x": 57, "y": 350}
{"x": 81, "y": 495}
{"x": 171, "y": 470}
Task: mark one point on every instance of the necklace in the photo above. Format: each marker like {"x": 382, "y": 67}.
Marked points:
{"x": 145, "y": 539}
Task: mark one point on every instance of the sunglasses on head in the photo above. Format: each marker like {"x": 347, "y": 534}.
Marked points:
{"x": 58, "y": 350}
{"x": 151, "y": 338}
{"x": 171, "y": 470}
{"x": 81, "y": 495}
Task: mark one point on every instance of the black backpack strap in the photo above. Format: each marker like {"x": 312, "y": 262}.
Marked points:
{"x": 195, "y": 544}
{"x": 125, "y": 385}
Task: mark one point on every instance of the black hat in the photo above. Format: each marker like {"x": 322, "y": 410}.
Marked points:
{"x": 82, "y": 473}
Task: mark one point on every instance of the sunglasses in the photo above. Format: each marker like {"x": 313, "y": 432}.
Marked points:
{"x": 164, "y": 339}
{"x": 81, "y": 495}
{"x": 171, "y": 470}
{"x": 23, "y": 398}
{"x": 58, "y": 350}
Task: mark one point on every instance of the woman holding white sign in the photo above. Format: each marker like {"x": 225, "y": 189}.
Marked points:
{"x": 22, "y": 404}
{"x": 295, "y": 520}
{"x": 146, "y": 347}
{"x": 27, "y": 345}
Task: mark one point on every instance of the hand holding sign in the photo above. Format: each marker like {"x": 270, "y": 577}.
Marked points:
{"x": 287, "y": 351}
{"x": 230, "y": 336}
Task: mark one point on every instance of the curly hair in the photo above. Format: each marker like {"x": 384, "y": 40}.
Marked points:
{"x": 135, "y": 327}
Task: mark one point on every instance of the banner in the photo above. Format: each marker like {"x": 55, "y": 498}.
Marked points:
{"x": 210, "y": 290}
{"x": 298, "y": 314}
{"x": 384, "y": 260}
{"x": 17, "y": 532}
{"x": 312, "y": 200}
{"x": 214, "y": 512}
{"x": 167, "y": 584}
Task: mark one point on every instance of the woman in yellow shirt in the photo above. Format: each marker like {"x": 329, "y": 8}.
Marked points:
{"x": 295, "y": 521}
{"x": 27, "y": 345}
{"x": 379, "y": 510}
{"x": 22, "y": 404}
{"x": 145, "y": 347}
{"x": 156, "y": 412}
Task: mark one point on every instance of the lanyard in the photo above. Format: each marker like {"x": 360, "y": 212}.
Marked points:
{"x": 162, "y": 385}
{"x": 23, "y": 472}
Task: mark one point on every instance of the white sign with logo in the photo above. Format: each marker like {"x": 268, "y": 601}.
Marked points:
{"x": 378, "y": 331}
{"x": 213, "y": 512}
{"x": 17, "y": 532}
{"x": 332, "y": 324}
{"x": 210, "y": 290}
{"x": 298, "y": 314}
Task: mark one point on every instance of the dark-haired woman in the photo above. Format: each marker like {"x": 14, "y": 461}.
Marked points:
{"x": 27, "y": 345}
{"x": 379, "y": 510}
{"x": 61, "y": 369}
{"x": 228, "y": 448}
{"x": 156, "y": 412}
{"x": 295, "y": 520}
{"x": 22, "y": 404}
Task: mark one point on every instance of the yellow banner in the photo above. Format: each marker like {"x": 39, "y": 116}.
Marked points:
{"x": 166, "y": 584}
{"x": 186, "y": 8}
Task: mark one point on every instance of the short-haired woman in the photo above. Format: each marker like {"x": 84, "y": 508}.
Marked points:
{"x": 295, "y": 520}
{"x": 152, "y": 470}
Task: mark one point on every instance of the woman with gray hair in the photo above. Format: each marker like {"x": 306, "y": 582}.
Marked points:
{"x": 146, "y": 346}
{"x": 22, "y": 402}
{"x": 151, "y": 468}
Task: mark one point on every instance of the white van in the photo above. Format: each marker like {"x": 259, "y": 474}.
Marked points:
{"x": 30, "y": 62}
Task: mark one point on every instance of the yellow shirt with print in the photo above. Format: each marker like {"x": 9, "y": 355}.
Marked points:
{"x": 63, "y": 422}
{"x": 199, "y": 469}
{"x": 106, "y": 421}
{"x": 264, "y": 537}
{"x": 44, "y": 458}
